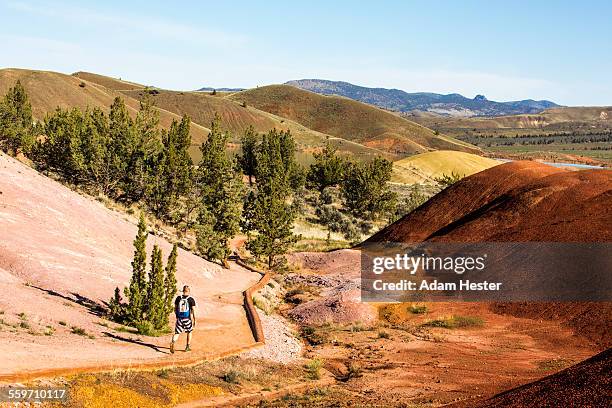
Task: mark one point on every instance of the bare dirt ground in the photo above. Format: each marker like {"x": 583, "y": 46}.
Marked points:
{"x": 62, "y": 255}
{"x": 410, "y": 358}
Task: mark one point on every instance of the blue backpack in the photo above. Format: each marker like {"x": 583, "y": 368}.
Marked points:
{"x": 183, "y": 310}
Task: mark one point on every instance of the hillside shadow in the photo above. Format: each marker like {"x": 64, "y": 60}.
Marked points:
{"x": 159, "y": 349}
{"x": 92, "y": 306}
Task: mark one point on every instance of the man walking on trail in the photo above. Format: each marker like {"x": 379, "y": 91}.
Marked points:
{"x": 184, "y": 308}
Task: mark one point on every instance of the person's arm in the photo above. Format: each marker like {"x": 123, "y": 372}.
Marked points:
{"x": 193, "y": 313}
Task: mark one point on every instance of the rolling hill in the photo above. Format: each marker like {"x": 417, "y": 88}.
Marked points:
{"x": 522, "y": 201}
{"x": 202, "y": 107}
{"x": 349, "y": 120}
{"x": 586, "y": 384}
{"x": 401, "y": 101}
{"x": 50, "y": 90}
{"x": 594, "y": 116}
{"x": 425, "y": 167}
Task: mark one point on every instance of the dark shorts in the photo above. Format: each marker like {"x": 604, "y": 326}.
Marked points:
{"x": 183, "y": 325}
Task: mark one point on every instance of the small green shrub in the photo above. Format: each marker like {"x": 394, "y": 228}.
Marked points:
{"x": 417, "y": 309}
{"x": 313, "y": 336}
{"x": 231, "y": 376}
{"x": 313, "y": 369}
{"x": 62, "y": 323}
{"x": 383, "y": 335}
{"x": 78, "y": 330}
{"x": 455, "y": 322}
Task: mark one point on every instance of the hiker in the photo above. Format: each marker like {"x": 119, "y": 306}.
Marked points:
{"x": 184, "y": 308}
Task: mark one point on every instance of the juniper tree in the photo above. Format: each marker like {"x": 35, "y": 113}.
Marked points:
{"x": 270, "y": 213}
{"x": 170, "y": 284}
{"x": 155, "y": 303}
{"x": 136, "y": 292}
{"x": 220, "y": 189}
{"x": 116, "y": 308}
{"x": 16, "y": 129}
{"x": 121, "y": 139}
{"x": 247, "y": 158}
{"x": 144, "y": 148}
{"x": 365, "y": 190}
{"x": 172, "y": 171}
{"x": 327, "y": 170}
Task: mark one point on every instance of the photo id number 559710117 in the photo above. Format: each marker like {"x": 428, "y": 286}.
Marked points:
{"x": 32, "y": 394}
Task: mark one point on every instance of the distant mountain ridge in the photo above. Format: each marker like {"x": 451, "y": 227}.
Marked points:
{"x": 448, "y": 105}
{"x": 210, "y": 89}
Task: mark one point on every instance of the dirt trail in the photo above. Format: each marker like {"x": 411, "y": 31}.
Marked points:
{"x": 61, "y": 256}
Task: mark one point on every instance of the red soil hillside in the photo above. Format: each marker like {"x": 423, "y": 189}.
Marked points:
{"x": 522, "y": 202}
{"x": 62, "y": 255}
{"x": 586, "y": 384}
{"x": 349, "y": 119}
{"x": 514, "y": 202}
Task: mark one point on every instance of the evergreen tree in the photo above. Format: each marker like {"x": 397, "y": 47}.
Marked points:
{"x": 365, "y": 190}
{"x": 16, "y": 129}
{"x": 247, "y": 158}
{"x": 120, "y": 141}
{"x": 155, "y": 304}
{"x": 95, "y": 145}
{"x": 327, "y": 170}
{"x": 172, "y": 173}
{"x": 170, "y": 284}
{"x": 61, "y": 150}
{"x": 144, "y": 147}
{"x": 220, "y": 191}
{"x": 116, "y": 308}
{"x": 270, "y": 213}
{"x": 136, "y": 293}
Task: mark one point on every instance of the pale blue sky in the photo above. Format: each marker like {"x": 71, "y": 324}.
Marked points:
{"x": 557, "y": 50}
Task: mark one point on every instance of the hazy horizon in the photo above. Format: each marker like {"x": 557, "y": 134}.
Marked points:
{"x": 554, "y": 51}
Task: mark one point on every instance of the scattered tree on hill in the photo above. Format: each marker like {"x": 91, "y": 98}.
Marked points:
{"x": 268, "y": 211}
{"x": 327, "y": 170}
{"x": 155, "y": 304}
{"x": 446, "y": 180}
{"x": 171, "y": 174}
{"x": 247, "y": 158}
{"x": 365, "y": 190}
{"x": 149, "y": 299}
{"x": 16, "y": 128}
{"x": 116, "y": 308}
{"x": 121, "y": 128}
{"x": 220, "y": 189}
{"x": 136, "y": 292}
{"x": 170, "y": 284}
{"x": 144, "y": 148}
{"x": 414, "y": 200}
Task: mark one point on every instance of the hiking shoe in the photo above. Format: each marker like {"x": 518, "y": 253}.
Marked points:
{"x": 187, "y": 348}
{"x": 172, "y": 347}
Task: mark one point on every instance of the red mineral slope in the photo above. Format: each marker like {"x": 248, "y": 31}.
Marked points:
{"x": 515, "y": 202}
{"x": 522, "y": 202}
{"x": 586, "y": 384}
{"x": 61, "y": 256}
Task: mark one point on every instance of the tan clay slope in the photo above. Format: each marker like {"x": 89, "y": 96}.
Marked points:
{"x": 202, "y": 107}
{"x": 425, "y": 167}
{"x": 597, "y": 115}
{"x": 115, "y": 84}
{"x": 348, "y": 119}
{"x": 62, "y": 255}
{"x": 48, "y": 90}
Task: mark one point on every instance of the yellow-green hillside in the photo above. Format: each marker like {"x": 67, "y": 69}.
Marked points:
{"x": 425, "y": 167}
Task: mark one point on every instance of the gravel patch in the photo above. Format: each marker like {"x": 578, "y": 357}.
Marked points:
{"x": 281, "y": 346}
